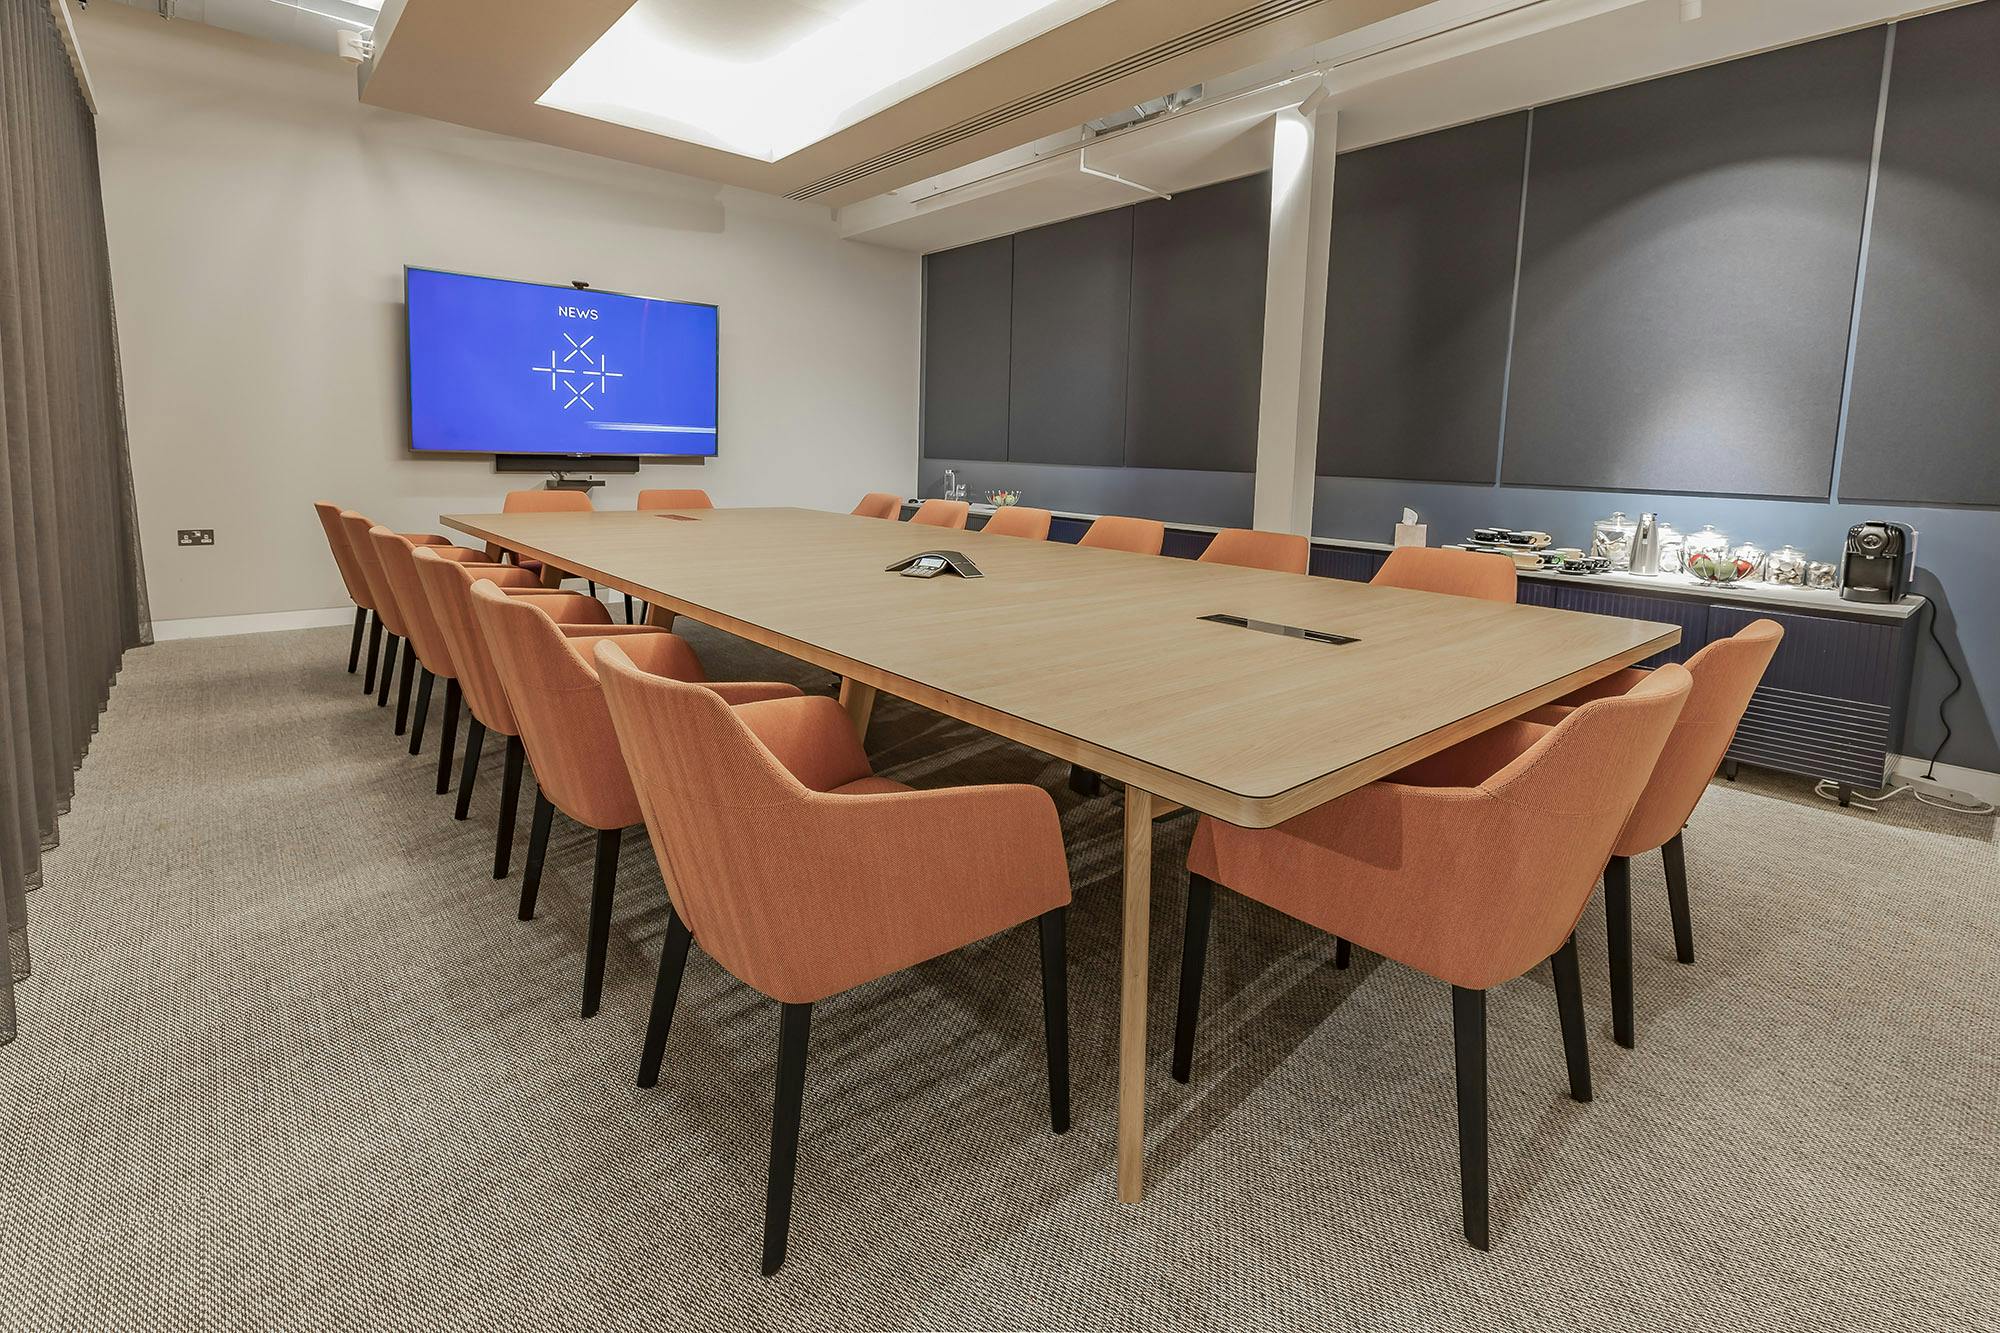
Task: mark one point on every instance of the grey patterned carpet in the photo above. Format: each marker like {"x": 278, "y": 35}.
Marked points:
{"x": 289, "y": 1061}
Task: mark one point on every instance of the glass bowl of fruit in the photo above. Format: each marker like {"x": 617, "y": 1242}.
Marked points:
{"x": 1001, "y": 499}
{"x": 1720, "y": 567}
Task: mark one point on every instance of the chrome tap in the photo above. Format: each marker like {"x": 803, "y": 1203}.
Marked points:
{"x": 954, "y": 489}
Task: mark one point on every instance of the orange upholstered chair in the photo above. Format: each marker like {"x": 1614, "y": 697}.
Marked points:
{"x": 880, "y": 504}
{"x": 1480, "y": 574}
{"x": 362, "y": 547}
{"x": 671, "y": 499}
{"x": 941, "y": 513}
{"x": 551, "y": 687}
{"x": 1726, "y": 673}
{"x": 541, "y": 501}
{"x": 427, "y": 648}
{"x": 1015, "y": 521}
{"x": 1141, "y": 536}
{"x": 1286, "y": 552}
{"x": 789, "y": 862}
{"x": 355, "y": 579}
{"x": 447, "y": 587}
{"x": 1472, "y": 866}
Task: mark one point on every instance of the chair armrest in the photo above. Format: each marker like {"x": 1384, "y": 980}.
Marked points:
{"x": 509, "y": 579}
{"x": 1610, "y": 687}
{"x": 464, "y": 555}
{"x": 652, "y": 650}
{"x": 424, "y": 539}
{"x": 812, "y": 736}
{"x": 565, "y": 608}
{"x": 754, "y": 691}
{"x": 603, "y": 629}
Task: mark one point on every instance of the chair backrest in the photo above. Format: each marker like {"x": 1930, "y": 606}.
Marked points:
{"x": 671, "y": 499}
{"x": 1142, "y": 536}
{"x": 397, "y": 556}
{"x": 351, "y": 576}
{"x": 1726, "y": 673}
{"x": 1533, "y": 856}
{"x": 560, "y": 711}
{"x": 942, "y": 513}
{"x": 1286, "y": 552}
{"x": 880, "y": 504}
{"x": 362, "y": 547}
{"x": 447, "y": 586}
{"x": 1481, "y": 574}
{"x": 545, "y": 501}
{"x": 729, "y": 823}
{"x": 1015, "y": 521}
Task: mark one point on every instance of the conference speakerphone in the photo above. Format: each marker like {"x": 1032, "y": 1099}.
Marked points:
{"x": 1272, "y": 627}
{"x": 929, "y": 564}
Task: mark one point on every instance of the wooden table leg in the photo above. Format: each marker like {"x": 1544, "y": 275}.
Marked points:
{"x": 859, "y": 701}
{"x": 659, "y": 615}
{"x": 1132, "y": 996}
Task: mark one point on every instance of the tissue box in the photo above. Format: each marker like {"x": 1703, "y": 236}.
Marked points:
{"x": 1413, "y": 534}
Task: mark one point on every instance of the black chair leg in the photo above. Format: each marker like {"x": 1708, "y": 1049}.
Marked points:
{"x": 510, "y": 802}
{"x": 1084, "y": 782}
{"x": 1618, "y": 944}
{"x": 448, "y": 739}
{"x": 1569, "y": 1007}
{"x": 403, "y": 689}
{"x": 374, "y": 652}
{"x": 1055, "y": 1013}
{"x": 1194, "y": 956}
{"x": 1674, "y": 856}
{"x": 628, "y": 608}
{"x": 593, "y": 586}
{"x": 1343, "y": 953}
{"x": 354, "y": 648}
{"x": 424, "y": 683}
{"x": 538, "y": 848}
{"x": 785, "y": 1110}
{"x": 673, "y": 961}
{"x": 603, "y": 884}
{"x": 388, "y": 670}
{"x": 475, "y": 736}
{"x": 1468, "y": 1030}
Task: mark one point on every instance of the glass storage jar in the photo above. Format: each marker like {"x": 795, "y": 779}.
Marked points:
{"x": 1705, "y": 555}
{"x": 1749, "y": 562}
{"x": 1786, "y": 566}
{"x": 1671, "y": 560}
{"x": 1611, "y": 539}
{"x": 1820, "y": 574}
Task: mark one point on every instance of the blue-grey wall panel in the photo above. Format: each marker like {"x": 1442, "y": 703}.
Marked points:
{"x": 1072, "y": 301}
{"x": 968, "y": 300}
{"x": 1214, "y": 499}
{"x": 1924, "y": 417}
{"x": 1687, "y": 276}
{"x": 1197, "y": 330}
{"x": 1420, "y": 290}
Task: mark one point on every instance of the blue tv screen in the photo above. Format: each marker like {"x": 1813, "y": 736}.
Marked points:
{"x": 502, "y": 367}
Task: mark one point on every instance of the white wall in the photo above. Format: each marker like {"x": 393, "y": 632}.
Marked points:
{"x": 259, "y": 219}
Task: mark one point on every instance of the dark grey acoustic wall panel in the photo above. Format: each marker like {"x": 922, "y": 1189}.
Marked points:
{"x": 1072, "y": 297}
{"x": 1420, "y": 288}
{"x": 1197, "y": 327}
{"x": 968, "y": 304}
{"x": 1687, "y": 276}
{"x": 1923, "y": 419}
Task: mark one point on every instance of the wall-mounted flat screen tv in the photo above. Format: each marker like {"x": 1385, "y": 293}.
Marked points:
{"x": 501, "y": 367}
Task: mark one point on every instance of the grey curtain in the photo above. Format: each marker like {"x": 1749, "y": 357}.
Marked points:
{"x": 72, "y": 591}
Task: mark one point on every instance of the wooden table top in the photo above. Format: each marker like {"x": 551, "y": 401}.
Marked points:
{"x": 1099, "y": 657}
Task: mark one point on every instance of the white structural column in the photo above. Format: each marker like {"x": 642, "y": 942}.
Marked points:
{"x": 1302, "y": 161}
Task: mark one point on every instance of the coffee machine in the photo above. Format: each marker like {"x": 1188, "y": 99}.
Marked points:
{"x": 1879, "y": 563}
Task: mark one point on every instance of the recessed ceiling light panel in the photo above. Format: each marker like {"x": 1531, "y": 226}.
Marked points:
{"x": 765, "y": 78}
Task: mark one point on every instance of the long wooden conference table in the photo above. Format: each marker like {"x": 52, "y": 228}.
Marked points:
{"x": 1104, "y": 658}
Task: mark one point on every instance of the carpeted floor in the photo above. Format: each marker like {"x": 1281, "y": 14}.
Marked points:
{"x": 289, "y": 1061}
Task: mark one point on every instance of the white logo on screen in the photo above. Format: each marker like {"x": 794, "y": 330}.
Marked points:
{"x": 581, "y": 372}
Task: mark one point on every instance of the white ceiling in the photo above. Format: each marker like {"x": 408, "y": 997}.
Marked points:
{"x": 308, "y": 23}
{"x": 765, "y": 78}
